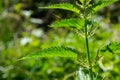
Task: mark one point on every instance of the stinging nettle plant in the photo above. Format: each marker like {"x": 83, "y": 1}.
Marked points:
{"x": 85, "y": 26}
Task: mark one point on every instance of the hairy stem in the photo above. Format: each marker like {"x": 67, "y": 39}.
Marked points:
{"x": 87, "y": 40}
{"x": 87, "y": 50}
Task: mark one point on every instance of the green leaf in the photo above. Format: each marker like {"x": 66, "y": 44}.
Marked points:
{"x": 82, "y": 1}
{"x": 52, "y": 52}
{"x": 101, "y": 4}
{"x": 69, "y": 23}
{"x": 112, "y": 48}
{"x": 65, "y": 6}
{"x": 1, "y": 6}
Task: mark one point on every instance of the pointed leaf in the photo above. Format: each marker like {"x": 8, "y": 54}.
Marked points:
{"x": 52, "y": 52}
{"x": 112, "y": 47}
{"x": 69, "y": 23}
{"x": 65, "y": 6}
{"x": 101, "y": 4}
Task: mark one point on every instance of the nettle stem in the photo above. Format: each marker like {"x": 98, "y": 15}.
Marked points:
{"x": 87, "y": 40}
{"x": 87, "y": 49}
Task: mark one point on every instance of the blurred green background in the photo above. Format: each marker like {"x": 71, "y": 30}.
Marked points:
{"x": 24, "y": 29}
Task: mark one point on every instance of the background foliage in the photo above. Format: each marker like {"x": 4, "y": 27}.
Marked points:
{"x": 24, "y": 29}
